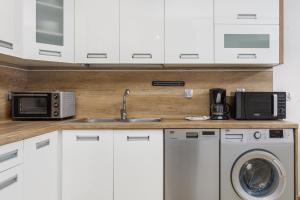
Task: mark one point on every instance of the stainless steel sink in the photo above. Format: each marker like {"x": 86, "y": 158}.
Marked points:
{"x": 129, "y": 120}
{"x": 137, "y": 120}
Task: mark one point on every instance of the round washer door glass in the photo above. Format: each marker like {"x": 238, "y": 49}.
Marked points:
{"x": 258, "y": 174}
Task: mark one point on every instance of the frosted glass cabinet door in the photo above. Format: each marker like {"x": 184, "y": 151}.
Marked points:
{"x": 97, "y": 31}
{"x": 247, "y": 11}
{"x": 7, "y": 21}
{"x": 48, "y": 27}
{"x": 247, "y": 44}
{"x": 142, "y": 31}
{"x": 189, "y": 31}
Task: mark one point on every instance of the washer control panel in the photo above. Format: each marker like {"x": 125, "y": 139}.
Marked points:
{"x": 257, "y": 135}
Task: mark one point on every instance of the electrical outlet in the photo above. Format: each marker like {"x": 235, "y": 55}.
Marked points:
{"x": 188, "y": 93}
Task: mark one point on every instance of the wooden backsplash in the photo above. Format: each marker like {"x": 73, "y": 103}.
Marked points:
{"x": 98, "y": 93}
{"x": 10, "y": 80}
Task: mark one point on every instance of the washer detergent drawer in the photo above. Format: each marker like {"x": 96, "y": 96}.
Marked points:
{"x": 191, "y": 164}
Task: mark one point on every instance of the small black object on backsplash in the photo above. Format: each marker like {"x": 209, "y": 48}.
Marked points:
{"x": 169, "y": 83}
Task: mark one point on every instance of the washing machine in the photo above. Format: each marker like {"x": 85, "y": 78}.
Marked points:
{"x": 257, "y": 164}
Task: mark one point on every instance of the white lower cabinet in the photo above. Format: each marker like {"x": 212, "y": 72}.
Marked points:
{"x": 87, "y": 165}
{"x": 11, "y": 171}
{"x": 41, "y": 167}
{"x": 11, "y": 186}
{"x": 138, "y": 165}
{"x": 112, "y": 165}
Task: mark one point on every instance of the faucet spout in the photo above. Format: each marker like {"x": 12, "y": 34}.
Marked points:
{"x": 123, "y": 110}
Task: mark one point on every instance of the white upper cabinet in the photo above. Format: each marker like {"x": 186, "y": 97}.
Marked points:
{"x": 247, "y": 44}
{"x": 87, "y": 165}
{"x": 41, "y": 167}
{"x": 189, "y": 31}
{"x": 247, "y": 11}
{"x": 138, "y": 165}
{"x": 97, "y": 31}
{"x": 142, "y": 31}
{"x": 8, "y": 24}
{"x": 48, "y": 30}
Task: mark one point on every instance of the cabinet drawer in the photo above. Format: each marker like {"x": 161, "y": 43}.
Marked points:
{"x": 247, "y": 44}
{"x": 247, "y": 12}
{"x": 11, "y": 184}
{"x": 11, "y": 155}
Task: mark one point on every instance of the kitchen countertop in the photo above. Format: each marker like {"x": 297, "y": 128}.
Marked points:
{"x": 13, "y": 131}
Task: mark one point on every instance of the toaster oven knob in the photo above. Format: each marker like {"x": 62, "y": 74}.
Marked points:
{"x": 55, "y": 105}
{"x": 56, "y": 113}
{"x": 257, "y": 135}
{"x": 55, "y": 96}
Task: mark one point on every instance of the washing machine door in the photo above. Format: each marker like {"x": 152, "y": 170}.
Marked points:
{"x": 258, "y": 175}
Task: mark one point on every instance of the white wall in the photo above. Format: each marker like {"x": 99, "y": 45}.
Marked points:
{"x": 287, "y": 76}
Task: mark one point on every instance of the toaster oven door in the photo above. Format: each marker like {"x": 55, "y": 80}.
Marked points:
{"x": 259, "y": 105}
{"x": 31, "y": 106}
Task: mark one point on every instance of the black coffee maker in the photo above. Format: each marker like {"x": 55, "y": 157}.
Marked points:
{"x": 219, "y": 109}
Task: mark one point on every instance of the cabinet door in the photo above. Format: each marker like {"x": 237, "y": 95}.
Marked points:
{"x": 41, "y": 167}
{"x": 247, "y": 44}
{"x": 142, "y": 31}
{"x": 138, "y": 165}
{"x": 48, "y": 30}
{"x": 8, "y": 23}
{"x": 247, "y": 11}
{"x": 97, "y": 31}
{"x": 189, "y": 31}
{"x": 11, "y": 184}
{"x": 87, "y": 165}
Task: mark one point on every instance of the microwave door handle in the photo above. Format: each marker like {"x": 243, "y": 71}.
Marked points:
{"x": 275, "y": 105}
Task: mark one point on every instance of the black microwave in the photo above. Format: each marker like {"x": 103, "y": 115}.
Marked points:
{"x": 260, "y": 105}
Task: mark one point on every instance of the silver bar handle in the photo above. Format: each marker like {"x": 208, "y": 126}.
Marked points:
{"x": 50, "y": 53}
{"x": 189, "y": 56}
{"x": 246, "y": 16}
{"x": 42, "y": 144}
{"x": 87, "y": 138}
{"x": 138, "y": 138}
{"x": 275, "y": 105}
{"x": 97, "y": 55}
{"x": 8, "y": 182}
{"x": 7, "y": 45}
{"x": 246, "y": 56}
{"x": 142, "y": 55}
{"x": 8, "y": 156}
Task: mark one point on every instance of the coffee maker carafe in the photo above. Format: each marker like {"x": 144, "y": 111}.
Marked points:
{"x": 219, "y": 109}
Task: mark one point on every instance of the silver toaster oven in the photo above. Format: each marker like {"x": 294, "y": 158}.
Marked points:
{"x": 42, "y": 105}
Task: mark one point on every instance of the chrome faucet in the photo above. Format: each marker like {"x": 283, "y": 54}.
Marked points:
{"x": 123, "y": 110}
